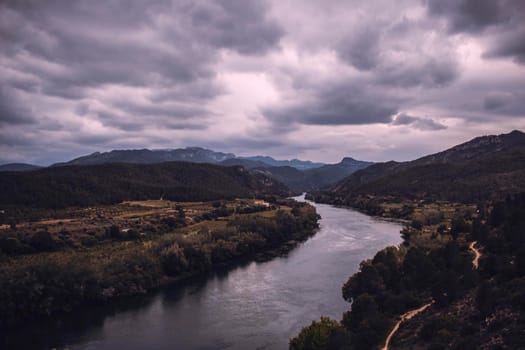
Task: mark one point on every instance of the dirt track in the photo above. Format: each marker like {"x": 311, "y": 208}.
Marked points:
{"x": 477, "y": 254}
{"x": 406, "y": 316}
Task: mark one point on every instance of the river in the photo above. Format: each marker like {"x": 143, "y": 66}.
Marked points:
{"x": 259, "y": 305}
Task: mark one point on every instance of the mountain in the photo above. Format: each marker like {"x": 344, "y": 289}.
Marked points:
{"x": 146, "y": 156}
{"x": 295, "y": 179}
{"x": 294, "y": 163}
{"x": 316, "y": 178}
{"x": 331, "y": 173}
{"x": 59, "y": 187}
{"x": 484, "y": 168}
{"x": 246, "y": 163}
{"x": 298, "y": 175}
{"x": 188, "y": 154}
{"x": 18, "y": 167}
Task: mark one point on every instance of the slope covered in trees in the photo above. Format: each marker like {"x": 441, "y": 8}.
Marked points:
{"x": 60, "y": 187}
{"x": 487, "y": 167}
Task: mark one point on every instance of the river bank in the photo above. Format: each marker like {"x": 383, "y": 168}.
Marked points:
{"x": 439, "y": 275}
{"x": 254, "y": 304}
{"x": 37, "y": 285}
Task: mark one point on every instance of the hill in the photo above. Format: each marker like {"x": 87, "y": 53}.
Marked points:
{"x": 315, "y": 178}
{"x": 18, "y": 167}
{"x": 188, "y": 154}
{"x": 331, "y": 173}
{"x": 59, "y": 187}
{"x": 486, "y": 167}
{"x": 294, "y": 163}
{"x": 246, "y": 163}
{"x": 146, "y": 156}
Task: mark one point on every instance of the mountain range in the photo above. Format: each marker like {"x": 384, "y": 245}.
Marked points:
{"x": 483, "y": 168}
{"x": 298, "y": 175}
{"x": 480, "y": 169}
{"x": 188, "y": 154}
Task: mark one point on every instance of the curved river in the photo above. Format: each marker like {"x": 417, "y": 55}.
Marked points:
{"x": 256, "y": 306}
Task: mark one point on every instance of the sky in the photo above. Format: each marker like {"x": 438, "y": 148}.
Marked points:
{"x": 375, "y": 80}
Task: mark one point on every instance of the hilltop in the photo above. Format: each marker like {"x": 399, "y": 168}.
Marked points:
{"x": 486, "y": 167}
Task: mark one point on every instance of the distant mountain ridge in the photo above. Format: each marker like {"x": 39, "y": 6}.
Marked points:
{"x": 294, "y": 163}
{"x": 146, "y": 156}
{"x": 18, "y": 167}
{"x": 188, "y": 154}
{"x": 298, "y": 175}
{"x": 314, "y": 178}
{"x": 483, "y": 167}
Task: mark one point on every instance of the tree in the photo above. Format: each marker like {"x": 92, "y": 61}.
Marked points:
{"x": 43, "y": 242}
{"x": 320, "y": 335}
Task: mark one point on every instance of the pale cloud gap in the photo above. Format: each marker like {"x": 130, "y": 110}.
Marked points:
{"x": 284, "y": 78}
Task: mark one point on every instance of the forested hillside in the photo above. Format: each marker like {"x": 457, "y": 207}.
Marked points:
{"x": 61, "y": 187}
{"x": 484, "y": 168}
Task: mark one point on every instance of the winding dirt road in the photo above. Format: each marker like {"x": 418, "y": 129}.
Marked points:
{"x": 477, "y": 254}
{"x": 406, "y": 316}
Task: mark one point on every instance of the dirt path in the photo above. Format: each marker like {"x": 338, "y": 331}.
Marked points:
{"x": 476, "y": 253}
{"x": 405, "y": 317}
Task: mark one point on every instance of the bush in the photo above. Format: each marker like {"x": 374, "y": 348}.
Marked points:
{"x": 173, "y": 260}
{"x": 43, "y": 242}
{"x": 320, "y": 335}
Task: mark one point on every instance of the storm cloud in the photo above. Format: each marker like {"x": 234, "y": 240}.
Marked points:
{"x": 285, "y": 78}
{"x": 418, "y": 123}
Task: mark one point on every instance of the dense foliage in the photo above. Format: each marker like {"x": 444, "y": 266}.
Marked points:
{"x": 40, "y": 284}
{"x": 62, "y": 187}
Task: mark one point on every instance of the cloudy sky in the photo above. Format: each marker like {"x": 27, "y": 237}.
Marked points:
{"x": 319, "y": 80}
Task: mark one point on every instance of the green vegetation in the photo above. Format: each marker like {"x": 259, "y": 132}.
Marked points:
{"x": 485, "y": 168}
{"x": 101, "y": 253}
{"x": 473, "y": 308}
{"x": 81, "y": 186}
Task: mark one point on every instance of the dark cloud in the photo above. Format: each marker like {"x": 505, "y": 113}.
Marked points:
{"x": 428, "y": 72}
{"x": 256, "y": 75}
{"x": 11, "y": 111}
{"x": 505, "y": 103}
{"x": 361, "y": 48}
{"x": 73, "y": 45}
{"x": 198, "y": 91}
{"x": 78, "y": 51}
{"x": 340, "y": 104}
{"x": 425, "y": 124}
{"x": 395, "y": 54}
{"x": 136, "y": 122}
{"x": 243, "y": 144}
{"x": 236, "y": 24}
{"x": 511, "y": 45}
{"x": 501, "y": 21}
{"x": 468, "y": 15}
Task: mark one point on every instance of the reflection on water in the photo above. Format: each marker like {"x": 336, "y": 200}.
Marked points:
{"x": 254, "y": 306}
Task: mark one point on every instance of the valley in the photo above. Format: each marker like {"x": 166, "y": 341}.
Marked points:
{"x": 90, "y": 235}
{"x": 454, "y": 203}
{"x": 232, "y": 175}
